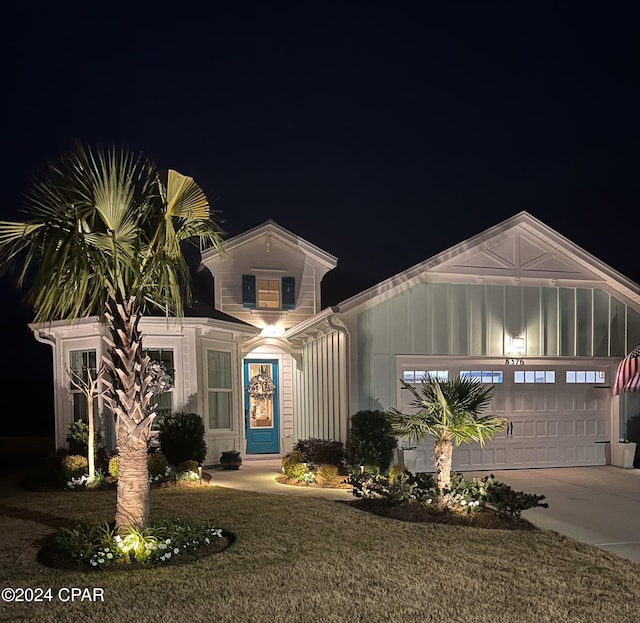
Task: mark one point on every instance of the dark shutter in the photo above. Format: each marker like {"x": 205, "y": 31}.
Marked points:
{"x": 288, "y": 293}
{"x": 249, "y": 291}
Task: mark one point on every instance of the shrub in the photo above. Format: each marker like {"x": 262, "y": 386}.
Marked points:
{"x": 113, "y": 466}
{"x": 74, "y": 466}
{"x": 293, "y": 465}
{"x": 78, "y": 438}
{"x": 321, "y": 451}
{"x": 326, "y": 474}
{"x": 370, "y": 443}
{"x": 509, "y": 502}
{"x": 402, "y": 488}
{"x": 188, "y": 466}
{"x": 182, "y": 438}
{"x": 157, "y": 464}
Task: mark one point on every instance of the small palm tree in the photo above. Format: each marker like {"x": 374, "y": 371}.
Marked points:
{"x": 104, "y": 237}
{"x": 451, "y": 413}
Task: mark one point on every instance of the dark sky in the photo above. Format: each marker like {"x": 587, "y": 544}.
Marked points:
{"x": 383, "y": 133}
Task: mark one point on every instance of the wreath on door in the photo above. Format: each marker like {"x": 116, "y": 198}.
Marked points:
{"x": 261, "y": 387}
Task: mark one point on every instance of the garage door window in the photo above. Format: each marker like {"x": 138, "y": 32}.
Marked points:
{"x": 585, "y": 376}
{"x": 418, "y": 376}
{"x": 482, "y": 376}
{"x": 534, "y": 376}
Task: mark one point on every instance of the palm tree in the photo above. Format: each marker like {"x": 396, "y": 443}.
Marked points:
{"x": 104, "y": 237}
{"x": 451, "y": 413}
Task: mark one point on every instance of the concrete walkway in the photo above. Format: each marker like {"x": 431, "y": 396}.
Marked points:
{"x": 595, "y": 505}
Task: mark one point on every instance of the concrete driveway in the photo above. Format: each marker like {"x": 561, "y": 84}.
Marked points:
{"x": 595, "y": 505}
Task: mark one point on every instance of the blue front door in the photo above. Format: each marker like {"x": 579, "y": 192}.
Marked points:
{"x": 262, "y": 421}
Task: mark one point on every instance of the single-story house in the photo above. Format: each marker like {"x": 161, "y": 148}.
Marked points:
{"x": 518, "y": 306}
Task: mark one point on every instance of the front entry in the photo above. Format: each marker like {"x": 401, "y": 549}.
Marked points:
{"x": 262, "y": 422}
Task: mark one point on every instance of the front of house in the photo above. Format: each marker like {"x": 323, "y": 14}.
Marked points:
{"x": 518, "y": 306}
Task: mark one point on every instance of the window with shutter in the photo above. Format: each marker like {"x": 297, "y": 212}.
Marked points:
{"x": 249, "y": 291}
{"x": 288, "y": 293}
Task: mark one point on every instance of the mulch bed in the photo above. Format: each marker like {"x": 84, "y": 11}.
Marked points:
{"x": 337, "y": 483}
{"x": 417, "y": 513}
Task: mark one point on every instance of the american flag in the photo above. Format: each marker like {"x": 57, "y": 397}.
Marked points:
{"x": 628, "y": 375}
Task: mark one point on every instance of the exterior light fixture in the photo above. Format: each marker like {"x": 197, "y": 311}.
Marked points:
{"x": 272, "y": 330}
{"x": 517, "y": 344}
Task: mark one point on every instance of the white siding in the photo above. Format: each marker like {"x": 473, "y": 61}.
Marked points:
{"x": 320, "y": 390}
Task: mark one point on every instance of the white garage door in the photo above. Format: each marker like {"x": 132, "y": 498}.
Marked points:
{"x": 558, "y": 415}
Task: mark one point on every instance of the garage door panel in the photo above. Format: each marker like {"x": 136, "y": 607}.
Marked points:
{"x": 553, "y": 422}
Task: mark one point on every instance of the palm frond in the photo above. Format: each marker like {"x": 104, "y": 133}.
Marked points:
{"x": 447, "y": 409}
{"x": 102, "y": 227}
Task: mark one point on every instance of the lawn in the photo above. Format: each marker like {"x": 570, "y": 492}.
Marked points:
{"x": 305, "y": 559}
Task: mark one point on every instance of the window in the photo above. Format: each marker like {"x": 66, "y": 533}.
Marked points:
{"x": 268, "y": 292}
{"x": 482, "y": 376}
{"x": 82, "y": 364}
{"x": 165, "y": 399}
{"x": 534, "y": 376}
{"x": 417, "y": 376}
{"x": 219, "y": 389}
{"x": 585, "y": 376}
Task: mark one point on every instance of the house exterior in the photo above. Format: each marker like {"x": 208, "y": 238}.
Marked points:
{"x": 518, "y": 306}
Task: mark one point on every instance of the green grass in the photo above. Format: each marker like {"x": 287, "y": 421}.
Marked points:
{"x": 312, "y": 560}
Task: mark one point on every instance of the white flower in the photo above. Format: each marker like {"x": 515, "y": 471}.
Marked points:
{"x": 176, "y": 550}
{"x": 109, "y": 555}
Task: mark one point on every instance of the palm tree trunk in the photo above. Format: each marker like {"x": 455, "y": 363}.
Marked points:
{"x": 129, "y": 397}
{"x": 132, "y": 503}
{"x": 442, "y": 459}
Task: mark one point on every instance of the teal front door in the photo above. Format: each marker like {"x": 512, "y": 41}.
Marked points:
{"x": 262, "y": 421}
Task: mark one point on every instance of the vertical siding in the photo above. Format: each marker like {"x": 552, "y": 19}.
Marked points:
{"x": 320, "y": 391}
{"x": 461, "y": 319}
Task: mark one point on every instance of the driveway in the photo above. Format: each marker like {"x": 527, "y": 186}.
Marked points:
{"x": 595, "y": 505}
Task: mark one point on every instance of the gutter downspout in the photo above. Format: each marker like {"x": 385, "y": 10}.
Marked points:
{"x": 50, "y": 340}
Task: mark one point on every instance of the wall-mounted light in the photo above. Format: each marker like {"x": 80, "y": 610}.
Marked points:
{"x": 272, "y": 330}
{"x": 516, "y": 344}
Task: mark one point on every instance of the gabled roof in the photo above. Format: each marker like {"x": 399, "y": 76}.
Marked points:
{"x": 520, "y": 250}
{"x": 271, "y": 228}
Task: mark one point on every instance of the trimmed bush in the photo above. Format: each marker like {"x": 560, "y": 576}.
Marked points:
{"x": 74, "y": 466}
{"x": 188, "y": 466}
{"x": 321, "y": 451}
{"x": 157, "y": 464}
{"x": 293, "y": 465}
{"x": 182, "y": 438}
{"x": 370, "y": 443}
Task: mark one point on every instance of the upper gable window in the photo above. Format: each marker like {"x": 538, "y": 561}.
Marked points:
{"x": 268, "y": 293}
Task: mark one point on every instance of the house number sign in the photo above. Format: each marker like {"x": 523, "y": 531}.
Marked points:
{"x": 510, "y": 361}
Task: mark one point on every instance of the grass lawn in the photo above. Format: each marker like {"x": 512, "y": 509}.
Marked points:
{"x": 298, "y": 559}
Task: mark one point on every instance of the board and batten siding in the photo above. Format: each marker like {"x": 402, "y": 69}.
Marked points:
{"x": 476, "y": 319}
{"x": 320, "y": 391}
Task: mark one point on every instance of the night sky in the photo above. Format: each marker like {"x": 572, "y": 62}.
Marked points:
{"x": 382, "y": 133}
